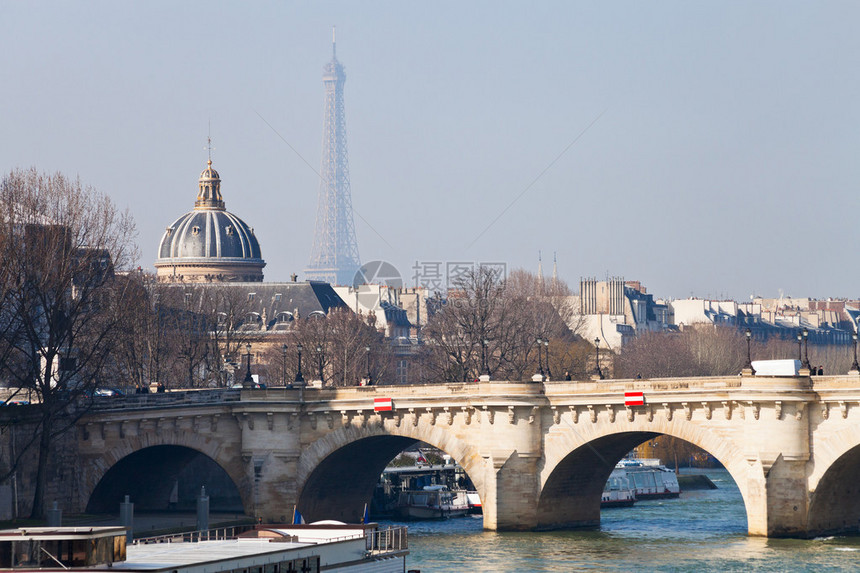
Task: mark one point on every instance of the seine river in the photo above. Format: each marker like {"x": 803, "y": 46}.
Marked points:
{"x": 703, "y": 530}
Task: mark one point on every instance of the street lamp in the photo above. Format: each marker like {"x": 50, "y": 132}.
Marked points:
{"x": 597, "y": 358}
{"x": 367, "y": 357}
{"x": 300, "y": 380}
{"x": 248, "y": 382}
{"x": 806, "y": 350}
{"x": 748, "y": 334}
{"x": 540, "y": 356}
{"x": 320, "y": 359}
{"x": 855, "y": 367}
{"x": 800, "y": 348}
{"x": 284, "y": 365}
{"x": 548, "y": 372}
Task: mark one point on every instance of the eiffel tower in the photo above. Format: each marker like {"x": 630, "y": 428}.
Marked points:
{"x": 334, "y": 256}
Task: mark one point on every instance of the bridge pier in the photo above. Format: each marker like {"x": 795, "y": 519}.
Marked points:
{"x": 776, "y": 445}
{"x": 512, "y": 493}
{"x": 777, "y": 503}
{"x": 270, "y": 452}
{"x": 787, "y": 499}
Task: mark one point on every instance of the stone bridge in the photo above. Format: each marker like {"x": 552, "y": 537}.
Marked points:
{"x": 538, "y": 453}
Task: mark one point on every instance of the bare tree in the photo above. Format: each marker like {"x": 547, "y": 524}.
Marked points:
{"x": 707, "y": 350}
{"x": 490, "y": 325}
{"x": 468, "y": 330}
{"x": 832, "y": 358}
{"x": 151, "y": 342}
{"x": 356, "y": 347}
{"x": 61, "y": 243}
{"x": 227, "y": 312}
{"x": 335, "y": 348}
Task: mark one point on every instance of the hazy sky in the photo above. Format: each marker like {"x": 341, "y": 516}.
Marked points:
{"x": 721, "y": 156}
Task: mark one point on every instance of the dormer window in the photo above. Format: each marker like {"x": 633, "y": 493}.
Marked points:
{"x": 195, "y": 230}
{"x": 229, "y": 230}
{"x": 169, "y": 231}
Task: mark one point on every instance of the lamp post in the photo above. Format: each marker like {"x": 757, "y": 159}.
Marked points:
{"x": 320, "y": 361}
{"x": 855, "y": 367}
{"x": 248, "y": 382}
{"x": 540, "y": 356}
{"x": 284, "y": 365}
{"x": 300, "y": 380}
{"x": 367, "y": 357}
{"x": 548, "y": 371}
{"x": 800, "y": 348}
{"x": 485, "y": 368}
{"x": 597, "y": 358}
{"x": 806, "y": 350}
{"x": 748, "y": 334}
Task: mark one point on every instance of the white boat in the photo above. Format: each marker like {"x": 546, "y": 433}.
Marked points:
{"x": 617, "y": 492}
{"x": 648, "y": 478}
{"x": 325, "y": 545}
{"x": 432, "y": 502}
{"x": 474, "y": 501}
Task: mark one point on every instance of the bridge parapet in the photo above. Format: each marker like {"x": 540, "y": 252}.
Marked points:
{"x": 165, "y": 399}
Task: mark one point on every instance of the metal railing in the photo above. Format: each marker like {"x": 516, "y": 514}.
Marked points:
{"x": 217, "y": 534}
{"x": 387, "y": 540}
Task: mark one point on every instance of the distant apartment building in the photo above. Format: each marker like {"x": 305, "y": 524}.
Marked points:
{"x": 827, "y": 322}
{"x": 615, "y": 310}
{"x": 399, "y": 313}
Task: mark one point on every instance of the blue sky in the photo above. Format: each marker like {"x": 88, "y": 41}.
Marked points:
{"x": 721, "y": 162}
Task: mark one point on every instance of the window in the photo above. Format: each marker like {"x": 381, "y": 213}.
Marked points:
{"x": 195, "y": 230}
{"x": 251, "y": 296}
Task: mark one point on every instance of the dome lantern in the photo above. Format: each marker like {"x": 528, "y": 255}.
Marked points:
{"x": 209, "y": 194}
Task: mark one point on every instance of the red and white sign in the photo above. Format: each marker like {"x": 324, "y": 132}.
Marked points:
{"x": 382, "y": 405}
{"x": 634, "y": 399}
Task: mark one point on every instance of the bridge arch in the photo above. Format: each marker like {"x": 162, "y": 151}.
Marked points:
{"x": 151, "y": 461}
{"x": 337, "y": 473}
{"x": 579, "y": 459}
{"x": 834, "y": 502}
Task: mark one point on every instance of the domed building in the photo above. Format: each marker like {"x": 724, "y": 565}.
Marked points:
{"x": 209, "y": 244}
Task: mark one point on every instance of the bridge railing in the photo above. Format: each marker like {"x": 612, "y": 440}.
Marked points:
{"x": 166, "y": 399}
{"x": 474, "y": 390}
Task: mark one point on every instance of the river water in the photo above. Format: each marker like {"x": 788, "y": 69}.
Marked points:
{"x": 703, "y": 529}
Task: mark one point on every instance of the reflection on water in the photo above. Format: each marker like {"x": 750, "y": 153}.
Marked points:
{"x": 701, "y": 530}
